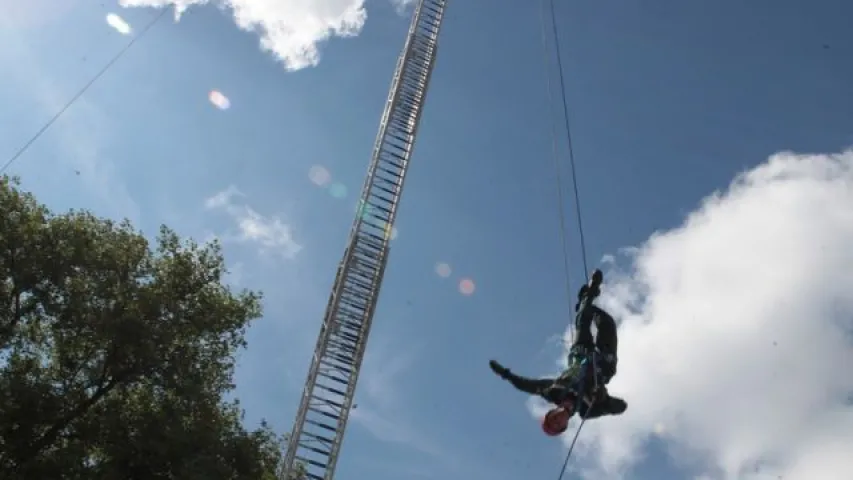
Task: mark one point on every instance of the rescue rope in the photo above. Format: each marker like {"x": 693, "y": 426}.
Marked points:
{"x": 572, "y": 446}
{"x": 583, "y": 420}
{"x": 82, "y": 91}
{"x": 559, "y": 184}
{"x": 568, "y": 128}
{"x": 558, "y": 173}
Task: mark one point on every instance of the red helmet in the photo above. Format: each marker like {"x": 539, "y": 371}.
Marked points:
{"x": 556, "y": 421}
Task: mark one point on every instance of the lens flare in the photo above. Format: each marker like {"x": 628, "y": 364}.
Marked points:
{"x": 443, "y": 270}
{"x": 319, "y": 175}
{"x": 390, "y": 232}
{"x": 338, "y": 190}
{"x": 466, "y": 287}
{"x": 219, "y": 100}
{"x": 363, "y": 210}
{"x": 118, "y": 24}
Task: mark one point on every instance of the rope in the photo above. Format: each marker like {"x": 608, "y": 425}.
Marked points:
{"x": 80, "y": 93}
{"x": 583, "y": 419}
{"x": 563, "y": 235}
{"x": 567, "y": 124}
{"x": 558, "y": 175}
{"x": 572, "y": 447}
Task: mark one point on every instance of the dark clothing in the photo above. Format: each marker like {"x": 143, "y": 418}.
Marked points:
{"x": 607, "y": 405}
{"x": 556, "y": 391}
{"x": 592, "y": 362}
{"x": 606, "y": 340}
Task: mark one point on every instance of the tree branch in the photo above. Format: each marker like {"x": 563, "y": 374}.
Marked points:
{"x": 50, "y": 436}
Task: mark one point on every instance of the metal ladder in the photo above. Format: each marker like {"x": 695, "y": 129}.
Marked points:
{"x": 315, "y": 442}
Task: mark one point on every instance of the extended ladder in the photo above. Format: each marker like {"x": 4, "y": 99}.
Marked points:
{"x": 321, "y": 420}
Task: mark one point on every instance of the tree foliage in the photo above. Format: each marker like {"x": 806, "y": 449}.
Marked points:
{"x": 115, "y": 355}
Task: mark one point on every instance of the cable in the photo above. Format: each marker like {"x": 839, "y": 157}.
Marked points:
{"x": 82, "y": 91}
{"x": 583, "y": 421}
{"x": 569, "y": 137}
{"x": 571, "y": 448}
{"x": 561, "y": 212}
{"x": 559, "y": 180}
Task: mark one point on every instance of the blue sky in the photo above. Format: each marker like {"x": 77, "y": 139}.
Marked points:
{"x": 669, "y": 102}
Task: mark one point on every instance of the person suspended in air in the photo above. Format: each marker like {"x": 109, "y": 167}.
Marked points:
{"x": 581, "y": 388}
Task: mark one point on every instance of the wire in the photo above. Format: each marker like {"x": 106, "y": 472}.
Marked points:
{"x": 583, "y": 421}
{"x": 559, "y": 184}
{"x": 82, "y": 91}
{"x": 559, "y": 178}
{"x": 571, "y": 448}
{"x": 569, "y": 137}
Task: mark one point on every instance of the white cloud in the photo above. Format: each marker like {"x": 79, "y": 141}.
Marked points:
{"x": 269, "y": 232}
{"x": 223, "y": 199}
{"x": 402, "y": 6}
{"x": 735, "y": 342}
{"x": 291, "y": 29}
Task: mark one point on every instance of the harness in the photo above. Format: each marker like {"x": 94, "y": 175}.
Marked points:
{"x": 583, "y": 379}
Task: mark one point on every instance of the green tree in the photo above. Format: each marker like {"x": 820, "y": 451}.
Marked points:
{"x": 115, "y": 356}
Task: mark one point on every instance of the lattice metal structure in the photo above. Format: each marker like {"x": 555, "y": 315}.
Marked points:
{"x": 321, "y": 420}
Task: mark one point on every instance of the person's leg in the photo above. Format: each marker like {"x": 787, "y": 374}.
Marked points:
{"x": 606, "y": 342}
{"x": 608, "y": 371}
